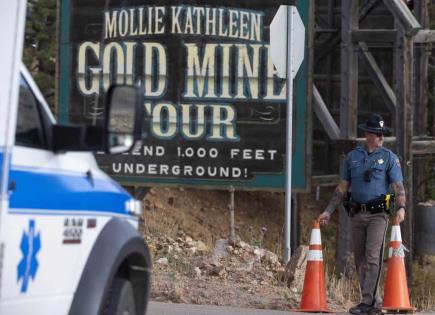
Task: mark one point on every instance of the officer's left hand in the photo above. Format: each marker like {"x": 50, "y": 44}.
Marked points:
{"x": 400, "y": 215}
{"x": 324, "y": 217}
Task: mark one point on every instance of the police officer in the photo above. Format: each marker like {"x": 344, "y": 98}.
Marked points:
{"x": 368, "y": 173}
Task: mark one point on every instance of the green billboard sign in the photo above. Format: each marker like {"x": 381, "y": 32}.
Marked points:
{"x": 215, "y": 110}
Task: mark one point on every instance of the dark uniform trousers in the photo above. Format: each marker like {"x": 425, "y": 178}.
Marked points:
{"x": 367, "y": 241}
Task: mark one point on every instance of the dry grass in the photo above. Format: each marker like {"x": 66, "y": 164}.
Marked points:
{"x": 423, "y": 291}
{"x": 154, "y": 223}
{"x": 343, "y": 292}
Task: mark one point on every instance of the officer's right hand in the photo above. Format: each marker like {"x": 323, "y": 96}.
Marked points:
{"x": 324, "y": 217}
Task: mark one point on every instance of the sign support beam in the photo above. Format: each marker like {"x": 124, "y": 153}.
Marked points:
{"x": 288, "y": 18}
{"x": 289, "y": 138}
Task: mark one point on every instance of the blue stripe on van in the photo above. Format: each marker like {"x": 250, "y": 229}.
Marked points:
{"x": 51, "y": 191}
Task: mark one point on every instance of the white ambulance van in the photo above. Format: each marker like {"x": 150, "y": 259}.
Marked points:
{"x": 69, "y": 242}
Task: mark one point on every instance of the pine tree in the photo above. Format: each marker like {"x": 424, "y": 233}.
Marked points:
{"x": 40, "y": 48}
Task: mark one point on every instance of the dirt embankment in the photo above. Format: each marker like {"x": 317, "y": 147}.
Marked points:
{"x": 194, "y": 262}
{"x": 204, "y": 215}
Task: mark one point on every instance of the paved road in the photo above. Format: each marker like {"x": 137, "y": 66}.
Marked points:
{"x": 157, "y": 308}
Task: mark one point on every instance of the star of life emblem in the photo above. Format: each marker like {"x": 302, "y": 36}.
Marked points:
{"x": 28, "y": 266}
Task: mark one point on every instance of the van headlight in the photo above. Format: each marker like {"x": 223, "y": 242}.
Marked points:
{"x": 134, "y": 207}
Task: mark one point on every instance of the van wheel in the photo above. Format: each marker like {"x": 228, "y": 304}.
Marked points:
{"x": 122, "y": 298}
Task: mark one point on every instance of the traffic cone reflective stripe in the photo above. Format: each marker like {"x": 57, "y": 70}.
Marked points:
{"x": 314, "y": 291}
{"x": 316, "y": 238}
{"x": 395, "y": 243}
{"x": 315, "y": 255}
{"x": 395, "y": 233}
{"x": 396, "y": 294}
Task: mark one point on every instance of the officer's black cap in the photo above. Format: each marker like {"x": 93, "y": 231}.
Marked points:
{"x": 375, "y": 124}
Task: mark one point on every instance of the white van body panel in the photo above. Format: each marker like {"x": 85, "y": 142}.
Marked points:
{"x": 58, "y": 210}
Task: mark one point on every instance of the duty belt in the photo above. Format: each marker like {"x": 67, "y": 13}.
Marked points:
{"x": 378, "y": 205}
{"x": 372, "y": 207}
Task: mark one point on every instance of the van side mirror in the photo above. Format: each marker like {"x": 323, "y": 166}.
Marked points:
{"x": 124, "y": 118}
{"x": 122, "y": 125}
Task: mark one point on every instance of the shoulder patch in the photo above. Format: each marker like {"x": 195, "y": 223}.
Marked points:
{"x": 397, "y": 162}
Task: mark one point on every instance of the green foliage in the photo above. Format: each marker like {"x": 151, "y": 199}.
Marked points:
{"x": 40, "y": 45}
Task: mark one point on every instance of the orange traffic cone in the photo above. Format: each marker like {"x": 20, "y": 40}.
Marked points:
{"x": 396, "y": 294}
{"x": 314, "y": 291}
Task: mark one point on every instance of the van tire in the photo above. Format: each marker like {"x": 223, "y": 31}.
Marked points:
{"x": 122, "y": 298}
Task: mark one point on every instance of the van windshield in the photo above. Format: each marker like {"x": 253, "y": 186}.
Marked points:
{"x": 29, "y": 132}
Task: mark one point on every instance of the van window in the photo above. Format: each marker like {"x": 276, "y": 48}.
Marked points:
{"x": 29, "y": 131}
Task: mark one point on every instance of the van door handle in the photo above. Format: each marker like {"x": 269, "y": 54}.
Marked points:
{"x": 12, "y": 185}
{"x": 90, "y": 177}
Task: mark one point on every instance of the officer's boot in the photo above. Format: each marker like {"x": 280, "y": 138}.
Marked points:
{"x": 361, "y": 309}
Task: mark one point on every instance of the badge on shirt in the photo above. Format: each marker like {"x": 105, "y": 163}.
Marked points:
{"x": 380, "y": 161}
